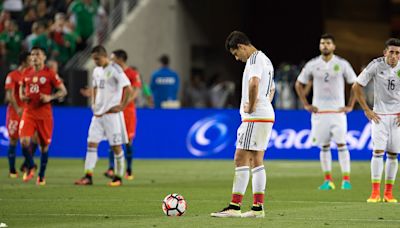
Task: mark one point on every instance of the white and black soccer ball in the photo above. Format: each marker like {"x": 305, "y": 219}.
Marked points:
{"x": 174, "y": 205}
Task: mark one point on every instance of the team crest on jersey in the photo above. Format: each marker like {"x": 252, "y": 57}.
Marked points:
{"x": 108, "y": 74}
{"x": 336, "y": 67}
{"x": 42, "y": 80}
{"x": 35, "y": 79}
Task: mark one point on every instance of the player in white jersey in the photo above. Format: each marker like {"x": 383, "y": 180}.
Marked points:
{"x": 111, "y": 94}
{"x": 385, "y": 117}
{"x": 254, "y": 133}
{"x": 328, "y": 73}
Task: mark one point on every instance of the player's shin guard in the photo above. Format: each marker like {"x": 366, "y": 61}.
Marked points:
{"x": 129, "y": 155}
{"x": 259, "y": 181}
{"x": 111, "y": 159}
{"x": 325, "y": 157}
{"x": 90, "y": 161}
{"x": 11, "y": 158}
{"x": 240, "y": 182}
{"x": 376, "y": 170}
{"x": 119, "y": 163}
{"x": 43, "y": 163}
{"x": 344, "y": 161}
{"x": 28, "y": 156}
{"x": 390, "y": 172}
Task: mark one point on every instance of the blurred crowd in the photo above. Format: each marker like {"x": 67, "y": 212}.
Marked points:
{"x": 61, "y": 27}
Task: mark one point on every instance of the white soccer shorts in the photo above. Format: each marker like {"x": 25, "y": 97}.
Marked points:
{"x": 326, "y": 127}
{"x": 386, "y": 134}
{"x": 109, "y": 126}
{"x": 254, "y": 135}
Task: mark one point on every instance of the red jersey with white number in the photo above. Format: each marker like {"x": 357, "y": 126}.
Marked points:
{"x": 36, "y": 83}
{"x": 13, "y": 81}
{"x": 134, "y": 78}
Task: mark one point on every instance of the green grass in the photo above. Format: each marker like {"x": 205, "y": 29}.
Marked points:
{"x": 292, "y": 198}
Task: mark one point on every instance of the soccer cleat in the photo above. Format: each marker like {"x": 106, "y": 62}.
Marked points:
{"x": 116, "y": 182}
{"x": 346, "y": 185}
{"x": 24, "y": 167}
{"x": 253, "y": 214}
{"x": 374, "y": 198}
{"x": 28, "y": 175}
{"x": 388, "y": 198}
{"x": 109, "y": 173}
{"x": 129, "y": 175}
{"x": 13, "y": 175}
{"x": 40, "y": 181}
{"x": 327, "y": 185}
{"x": 230, "y": 211}
{"x": 84, "y": 181}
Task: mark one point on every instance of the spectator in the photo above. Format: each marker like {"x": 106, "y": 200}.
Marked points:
{"x": 83, "y": 13}
{"x": 37, "y": 29}
{"x": 15, "y": 7}
{"x": 11, "y": 42}
{"x": 165, "y": 85}
{"x": 29, "y": 18}
{"x": 45, "y": 42}
{"x": 64, "y": 41}
{"x": 42, "y": 11}
{"x": 196, "y": 94}
{"x": 221, "y": 91}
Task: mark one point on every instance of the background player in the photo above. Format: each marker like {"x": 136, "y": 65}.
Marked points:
{"x": 253, "y": 134}
{"x": 385, "y": 117}
{"x": 120, "y": 57}
{"x": 36, "y": 90}
{"x": 329, "y": 122}
{"x": 111, "y": 94}
{"x": 14, "y": 109}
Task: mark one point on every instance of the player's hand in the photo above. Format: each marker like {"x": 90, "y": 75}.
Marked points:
{"x": 346, "y": 109}
{"x": 19, "y": 111}
{"x": 86, "y": 92}
{"x": 45, "y": 98}
{"x": 24, "y": 98}
{"x": 371, "y": 115}
{"x": 311, "y": 108}
{"x": 115, "y": 109}
{"x": 247, "y": 109}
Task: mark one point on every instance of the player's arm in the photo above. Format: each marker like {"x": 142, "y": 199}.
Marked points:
{"x": 253, "y": 93}
{"x": 10, "y": 98}
{"x": 128, "y": 96}
{"x": 272, "y": 93}
{"x": 301, "y": 92}
{"x": 61, "y": 92}
{"x": 360, "y": 96}
{"x": 22, "y": 95}
{"x": 352, "y": 101}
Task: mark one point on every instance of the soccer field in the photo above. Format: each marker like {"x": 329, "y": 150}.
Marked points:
{"x": 292, "y": 198}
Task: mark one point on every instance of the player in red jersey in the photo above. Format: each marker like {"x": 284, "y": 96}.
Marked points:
{"x": 36, "y": 91}
{"x": 14, "y": 109}
{"x": 120, "y": 57}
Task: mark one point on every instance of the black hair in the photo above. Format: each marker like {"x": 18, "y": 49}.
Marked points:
{"x": 164, "y": 60}
{"x": 121, "y": 54}
{"x": 392, "y": 42}
{"x": 23, "y": 57}
{"x": 328, "y": 36}
{"x": 99, "y": 49}
{"x": 235, "y": 38}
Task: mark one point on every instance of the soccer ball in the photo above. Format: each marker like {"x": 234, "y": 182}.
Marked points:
{"x": 174, "y": 205}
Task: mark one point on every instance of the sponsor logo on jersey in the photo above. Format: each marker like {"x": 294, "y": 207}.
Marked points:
{"x": 35, "y": 79}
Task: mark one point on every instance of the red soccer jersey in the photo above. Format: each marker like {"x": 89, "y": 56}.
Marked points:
{"x": 36, "y": 83}
{"x": 13, "y": 81}
{"x": 134, "y": 78}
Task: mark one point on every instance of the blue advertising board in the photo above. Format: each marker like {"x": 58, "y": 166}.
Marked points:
{"x": 198, "y": 133}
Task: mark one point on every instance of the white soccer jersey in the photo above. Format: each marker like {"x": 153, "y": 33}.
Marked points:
{"x": 109, "y": 82}
{"x": 328, "y": 81}
{"x": 258, "y": 65}
{"x": 386, "y": 85}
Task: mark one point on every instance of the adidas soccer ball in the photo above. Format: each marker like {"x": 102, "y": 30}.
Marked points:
{"x": 174, "y": 205}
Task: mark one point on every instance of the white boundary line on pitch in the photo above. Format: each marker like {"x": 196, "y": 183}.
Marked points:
{"x": 267, "y": 217}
